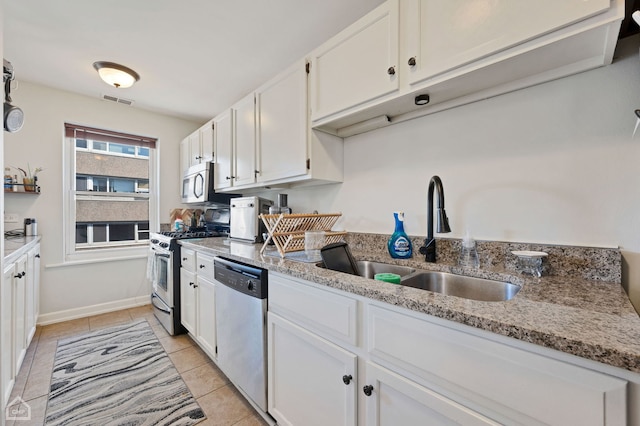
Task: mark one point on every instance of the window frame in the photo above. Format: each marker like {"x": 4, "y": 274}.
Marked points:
{"x": 117, "y": 250}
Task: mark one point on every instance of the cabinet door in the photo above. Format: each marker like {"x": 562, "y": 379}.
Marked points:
{"x": 205, "y": 266}
{"x": 519, "y": 386}
{"x": 194, "y": 148}
{"x": 306, "y": 374}
{"x": 396, "y": 400}
{"x": 32, "y": 292}
{"x": 206, "y": 142}
{"x": 6, "y": 339}
{"x": 245, "y": 142}
{"x": 188, "y": 306}
{"x": 282, "y": 125}
{"x": 19, "y": 312}
{"x": 206, "y": 329}
{"x": 358, "y": 65}
{"x": 185, "y": 157}
{"x": 223, "y": 132}
{"x": 448, "y": 34}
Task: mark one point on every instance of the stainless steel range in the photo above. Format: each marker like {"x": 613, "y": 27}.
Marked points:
{"x": 164, "y": 264}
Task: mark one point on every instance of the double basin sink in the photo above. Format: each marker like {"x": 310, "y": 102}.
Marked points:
{"x": 442, "y": 282}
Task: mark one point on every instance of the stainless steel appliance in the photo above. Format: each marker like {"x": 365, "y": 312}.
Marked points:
{"x": 218, "y": 218}
{"x": 198, "y": 184}
{"x": 241, "y": 308}
{"x": 164, "y": 273}
{"x": 245, "y": 221}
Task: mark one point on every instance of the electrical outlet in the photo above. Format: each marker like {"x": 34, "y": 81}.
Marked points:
{"x": 11, "y": 218}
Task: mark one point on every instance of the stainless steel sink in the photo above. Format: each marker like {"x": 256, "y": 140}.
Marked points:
{"x": 369, "y": 269}
{"x": 442, "y": 282}
{"x": 462, "y": 286}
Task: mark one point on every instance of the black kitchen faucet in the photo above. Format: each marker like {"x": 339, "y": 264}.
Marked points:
{"x": 429, "y": 248}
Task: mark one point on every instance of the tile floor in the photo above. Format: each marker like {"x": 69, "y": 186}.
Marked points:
{"x": 220, "y": 400}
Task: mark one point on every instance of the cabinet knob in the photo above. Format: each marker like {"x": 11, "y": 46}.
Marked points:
{"x": 347, "y": 379}
{"x": 391, "y": 70}
{"x": 184, "y": 259}
{"x": 368, "y": 389}
{"x": 412, "y": 61}
{"x": 38, "y": 255}
{"x": 201, "y": 266}
{"x": 195, "y": 286}
{"x": 192, "y": 284}
{"x": 198, "y": 157}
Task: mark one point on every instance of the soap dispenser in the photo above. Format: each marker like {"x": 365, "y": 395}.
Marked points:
{"x": 399, "y": 245}
{"x": 468, "y": 253}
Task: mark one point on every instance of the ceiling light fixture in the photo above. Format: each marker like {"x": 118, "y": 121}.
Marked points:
{"x": 116, "y": 75}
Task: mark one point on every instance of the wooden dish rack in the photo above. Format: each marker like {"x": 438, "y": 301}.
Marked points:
{"x": 287, "y": 230}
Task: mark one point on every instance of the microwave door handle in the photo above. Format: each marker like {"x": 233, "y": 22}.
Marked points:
{"x": 195, "y": 185}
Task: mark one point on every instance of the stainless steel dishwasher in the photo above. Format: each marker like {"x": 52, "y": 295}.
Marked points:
{"x": 241, "y": 308}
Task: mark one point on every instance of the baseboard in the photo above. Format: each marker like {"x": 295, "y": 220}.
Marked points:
{"x": 87, "y": 311}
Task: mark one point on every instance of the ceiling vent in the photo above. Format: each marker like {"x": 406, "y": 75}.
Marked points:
{"x": 117, "y": 100}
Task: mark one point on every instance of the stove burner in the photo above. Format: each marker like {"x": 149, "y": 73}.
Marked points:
{"x": 191, "y": 234}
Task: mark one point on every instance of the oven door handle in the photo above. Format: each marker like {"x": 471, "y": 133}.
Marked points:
{"x": 160, "y": 308}
{"x": 160, "y": 254}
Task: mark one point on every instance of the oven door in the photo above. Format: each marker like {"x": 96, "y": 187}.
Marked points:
{"x": 163, "y": 277}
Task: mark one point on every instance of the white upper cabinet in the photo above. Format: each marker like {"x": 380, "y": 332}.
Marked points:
{"x": 456, "y": 52}
{"x": 197, "y": 148}
{"x": 244, "y": 147}
{"x": 206, "y": 142}
{"x": 358, "y": 65}
{"x": 281, "y": 109}
{"x": 224, "y": 135}
{"x": 271, "y": 141}
{"x": 477, "y": 29}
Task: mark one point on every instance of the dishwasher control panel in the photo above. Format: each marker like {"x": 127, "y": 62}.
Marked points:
{"x": 241, "y": 277}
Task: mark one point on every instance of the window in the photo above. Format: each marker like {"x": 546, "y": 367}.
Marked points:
{"x": 110, "y": 203}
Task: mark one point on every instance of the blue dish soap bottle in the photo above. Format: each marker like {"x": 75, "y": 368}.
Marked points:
{"x": 399, "y": 244}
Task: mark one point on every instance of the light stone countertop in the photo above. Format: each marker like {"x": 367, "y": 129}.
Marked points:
{"x": 14, "y": 247}
{"x": 588, "y": 318}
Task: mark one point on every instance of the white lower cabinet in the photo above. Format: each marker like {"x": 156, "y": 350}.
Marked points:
{"x": 7, "y": 373}
{"x": 311, "y": 380}
{"x": 19, "y": 284}
{"x": 19, "y": 307}
{"x": 415, "y": 369}
{"x": 395, "y": 400}
{"x": 206, "y": 322}
{"x": 32, "y": 296}
{"x": 197, "y": 299}
{"x": 188, "y": 300}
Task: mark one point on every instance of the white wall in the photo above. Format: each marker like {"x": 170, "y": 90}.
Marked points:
{"x": 68, "y": 290}
{"x": 555, "y": 163}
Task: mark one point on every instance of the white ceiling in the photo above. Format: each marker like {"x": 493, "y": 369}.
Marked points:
{"x": 195, "y": 57}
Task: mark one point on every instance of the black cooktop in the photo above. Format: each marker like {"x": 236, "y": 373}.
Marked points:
{"x": 192, "y": 233}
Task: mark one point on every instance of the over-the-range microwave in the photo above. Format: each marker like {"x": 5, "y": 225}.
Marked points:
{"x": 198, "y": 184}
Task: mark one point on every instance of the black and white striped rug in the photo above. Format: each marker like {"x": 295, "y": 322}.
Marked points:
{"x": 118, "y": 376}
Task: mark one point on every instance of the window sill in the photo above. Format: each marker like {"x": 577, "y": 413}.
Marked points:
{"x": 102, "y": 256}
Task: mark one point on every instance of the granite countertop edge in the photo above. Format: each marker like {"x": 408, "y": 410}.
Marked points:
{"x": 588, "y": 319}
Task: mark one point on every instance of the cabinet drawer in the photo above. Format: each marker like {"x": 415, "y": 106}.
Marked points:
{"x": 188, "y": 259}
{"x": 204, "y": 266}
{"x": 524, "y": 387}
{"x": 329, "y": 314}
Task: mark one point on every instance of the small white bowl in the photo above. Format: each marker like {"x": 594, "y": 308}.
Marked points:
{"x": 530, "y": 254}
